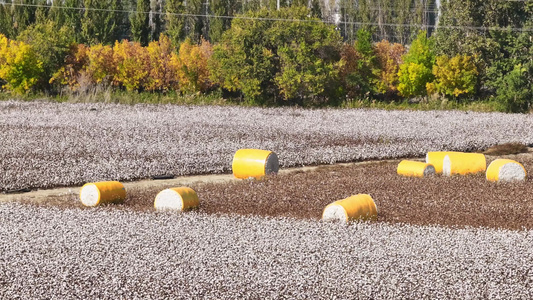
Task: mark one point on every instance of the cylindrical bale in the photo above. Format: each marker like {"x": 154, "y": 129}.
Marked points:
{"x": 506, "y": 170}
{"x": 103, "y": 192}
{"x": 254, "y": 163}
{"x": 436, "y": 158}
{"x": 415, "y": 168}
{"x": 463, "y": 163}
{"x": 357, "y": 207}
{"x": 179, "y": 198}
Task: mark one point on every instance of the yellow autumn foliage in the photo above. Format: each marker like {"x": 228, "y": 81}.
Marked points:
{"x": 454, "y": 76}
{"x": 133, "y": 65}
{"x": 192, "y": 61}
{"x": 20, "y": 69}
{"x": 101, "y": 65}
{"x": 389, "y": 57}
{"x": 163, "y": 71}
{"x": 76, "y": 63}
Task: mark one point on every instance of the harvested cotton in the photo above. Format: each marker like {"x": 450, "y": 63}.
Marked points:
{"x": 436, "y": 158}
{"x": 506, "y": 170}
{"x": 463, "y": 163}
{"x": 107, "y": 253}
{"x": 415, "y": 168}
{"x": 254, "y": 163}
{"x": 104, "y": 192}
{"x": 179, "y": 199}
{"x": 48, "y": 144}
{"x": 357, "y": 207}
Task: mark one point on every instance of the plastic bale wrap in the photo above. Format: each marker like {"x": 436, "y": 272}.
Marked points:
{"x": 357, "y": 207}
{"x": 103, "y": 192}
{"x": 436, "y": 158}
{"x": 463, "y": 163}
{"x": 506, "y": 170}
{"x": 415, "y": 169}
{"x": 254, "y": 163}
{"x": 179, "y": 199}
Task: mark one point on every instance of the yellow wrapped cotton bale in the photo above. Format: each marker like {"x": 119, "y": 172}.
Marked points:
{"x": 436, "y": 158}
{"x": 357, "y": 207}
{"x": 506, "y": 170}
{"x": 463, "y": 163}
{"x": 104, "y": 192}
{"x": 180, "y": 199}
{"x": 254, "y": 163}
{"x": 415, "y": 168}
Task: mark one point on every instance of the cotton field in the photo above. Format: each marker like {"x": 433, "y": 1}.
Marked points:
{"x": 50, "y": 253}
{"x": 459, "y": 237}
{"x": 58, "y": 144}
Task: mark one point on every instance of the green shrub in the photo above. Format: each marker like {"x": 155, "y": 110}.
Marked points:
{"x": 416, "y": 70}
{"x": 360, "y": 70}
{"x": 266, "y": 58}
{"x": 243, "y": 61}
{"x": 515, "y": 90}
{"x": 51, "y": 45}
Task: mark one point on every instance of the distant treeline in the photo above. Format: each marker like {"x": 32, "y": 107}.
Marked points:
{"x": 104, "y": 21}
{"x": 308, "y": 52}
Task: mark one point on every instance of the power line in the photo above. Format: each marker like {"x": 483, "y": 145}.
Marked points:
{"x": 481, "y": 28}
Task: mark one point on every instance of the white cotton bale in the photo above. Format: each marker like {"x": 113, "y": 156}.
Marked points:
{"x": 436, "y": 158}
{"x": 506, "y": 170}
{"x": 463, "y": 163}
{"x": 104, "y": 192}
{"x": 178, "y": 199}
{"x": 415, "y": 168}
{"x": 254, "y": 163}
{"x": 357, "y": 207}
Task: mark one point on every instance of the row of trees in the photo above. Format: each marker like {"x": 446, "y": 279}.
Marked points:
{"x": 500, "y": 35}
{"x": 104, "y": 21}
{"x": 271, "y": 56}
{"x": 393, "y": 20}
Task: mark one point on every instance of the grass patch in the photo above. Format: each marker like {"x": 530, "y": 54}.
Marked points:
{"x": 108, "y": 94}
{"x": 424, "y": 104}
{"x": 124, "y": 97}
{"x": 103, "y": 94}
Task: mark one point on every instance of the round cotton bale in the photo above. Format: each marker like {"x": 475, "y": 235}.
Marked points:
{"x": 463, "y": 163}
{"x": 506, "y": 170}
{"x": 436, "y": 158}
{"x": 179, "y": 199}
{"x": 415, "y": 168}
{"x": 103, "y": 192}
{"x": 254, "y": 163}
{"x": 357, "y": 207}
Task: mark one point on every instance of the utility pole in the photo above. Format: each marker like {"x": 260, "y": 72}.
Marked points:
{"x": 206, "y": 31}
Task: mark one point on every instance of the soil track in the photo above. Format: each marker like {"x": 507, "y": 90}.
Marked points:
{"x": 455, "y": 201}
{"x": 302, "y": 194}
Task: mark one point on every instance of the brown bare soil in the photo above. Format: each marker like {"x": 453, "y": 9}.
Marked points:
{"x": 451, "y": 201}
{"x": 455, "y": 201}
